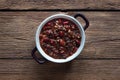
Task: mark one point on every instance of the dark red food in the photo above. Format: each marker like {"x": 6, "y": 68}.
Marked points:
{"x": 60, "y": 38}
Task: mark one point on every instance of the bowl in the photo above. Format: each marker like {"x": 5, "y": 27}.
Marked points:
{"x": 70, "y": 18}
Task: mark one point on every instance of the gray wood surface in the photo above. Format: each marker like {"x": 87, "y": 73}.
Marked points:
{"x": 99, "y": 60}
{"x": 77, "y": 70}
{"x": 60, "y": 4}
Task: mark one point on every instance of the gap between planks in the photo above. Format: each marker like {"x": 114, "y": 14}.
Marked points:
{"x": 29, "y": 58}
{"x": 58, "y": 10}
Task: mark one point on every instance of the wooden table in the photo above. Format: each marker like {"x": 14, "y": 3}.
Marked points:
{"x": 99, "y": 60}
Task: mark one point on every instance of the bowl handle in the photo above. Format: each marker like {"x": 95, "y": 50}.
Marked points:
{"x": 41, "y": 60}
{"x": 84, "y": 18}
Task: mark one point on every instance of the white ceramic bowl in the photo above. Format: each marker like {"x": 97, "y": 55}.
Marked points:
{"x": 41, "y": 51}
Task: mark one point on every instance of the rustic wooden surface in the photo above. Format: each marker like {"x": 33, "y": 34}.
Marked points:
{"x": 28, "y": 69}
{"x": 60, "y": 4}
{"x": 99, "y": 60}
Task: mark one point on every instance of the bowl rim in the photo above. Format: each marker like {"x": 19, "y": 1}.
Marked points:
{"x": 41, "y": 51}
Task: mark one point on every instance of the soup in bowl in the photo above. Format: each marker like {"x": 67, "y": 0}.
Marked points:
{"x": 60, "y": 38}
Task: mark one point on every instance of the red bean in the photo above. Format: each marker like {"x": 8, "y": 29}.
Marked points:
{"x": 61, "y": 33}
{"x": 49, "y": 23}
{"x": 60, "y": 21}
{"x": 66, "y": 22}
{"x": 75, "y": 49}
{"x": 62, "y": 42}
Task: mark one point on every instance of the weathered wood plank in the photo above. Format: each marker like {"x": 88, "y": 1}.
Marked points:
{"x": 61, "y": 4}
{"x": 77, "y": 70}
{"x": 17, "y": 31}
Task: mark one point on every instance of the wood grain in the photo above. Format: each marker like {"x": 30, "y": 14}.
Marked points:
{"x": 60, "y": 4}
{"x": 77, "y": 70}
{"x": 99, "y": 60}
{"x": 17, "y": 33}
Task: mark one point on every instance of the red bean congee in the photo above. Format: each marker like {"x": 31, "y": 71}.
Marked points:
{"x": 60, "y": 38}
